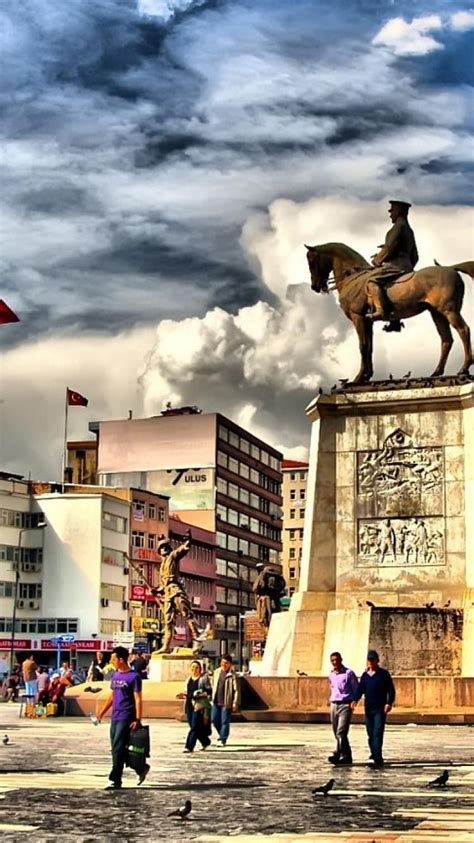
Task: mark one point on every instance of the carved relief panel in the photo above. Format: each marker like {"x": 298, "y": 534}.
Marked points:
{"x": 400, "y": 504}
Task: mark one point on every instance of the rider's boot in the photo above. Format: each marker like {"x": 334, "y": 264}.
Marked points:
{"x": 379, "y": 298}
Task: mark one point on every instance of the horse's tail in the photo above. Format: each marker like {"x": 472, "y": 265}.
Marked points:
{"x": 465, "y": 266}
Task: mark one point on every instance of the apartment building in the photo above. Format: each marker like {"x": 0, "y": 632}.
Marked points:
{"x": 294, "y": 502}
{"x": 219, "y": 477}
{"x": 62, "y": 569}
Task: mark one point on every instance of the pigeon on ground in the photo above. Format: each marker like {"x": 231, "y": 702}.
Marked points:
{"x": 325, "y": 788}
{"x": 408, "y": 375}
{"x": 429, "y": 605}
{"x": 301, "y": 673}
{"x": 447, "y": 604}
{"x": 5, "y": 740}
{"x": 370, "y": 604}
{"x": 183, "y": 811}
{"x": 440, "y": 781}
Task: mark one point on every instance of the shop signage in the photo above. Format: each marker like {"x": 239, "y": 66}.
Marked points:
{"x": 253, "y": 629}
{"x": 140, "y": 592}
{"x": 18, "y": 643}
{"x": 145, "y": 554}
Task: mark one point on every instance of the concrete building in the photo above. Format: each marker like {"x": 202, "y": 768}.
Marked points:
{"x": 294, "y": 503}
{"x": 219, "y": 477}
{"x": 72, "y": 573}
{"x": 82, "y": 462}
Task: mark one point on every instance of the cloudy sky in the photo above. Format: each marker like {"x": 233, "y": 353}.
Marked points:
{"x": 163, "y": 163}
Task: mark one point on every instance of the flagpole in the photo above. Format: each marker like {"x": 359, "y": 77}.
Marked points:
{"x": 64, "y": 459}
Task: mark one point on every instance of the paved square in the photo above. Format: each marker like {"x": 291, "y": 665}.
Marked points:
{"x": 52, "y": 775}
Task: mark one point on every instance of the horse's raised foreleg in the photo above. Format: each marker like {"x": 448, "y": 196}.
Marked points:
{"x": 444, "y": 331}
{"x": 456, "y": 320}
{"x": 364, "y": 330}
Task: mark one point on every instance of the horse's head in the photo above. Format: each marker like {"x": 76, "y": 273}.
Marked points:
{"x": 320, "y": 266}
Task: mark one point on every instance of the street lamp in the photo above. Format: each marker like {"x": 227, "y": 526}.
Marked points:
{"x": 40, "y": 524}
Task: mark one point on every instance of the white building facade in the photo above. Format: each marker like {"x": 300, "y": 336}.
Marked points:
{"x": 72, "y": 572}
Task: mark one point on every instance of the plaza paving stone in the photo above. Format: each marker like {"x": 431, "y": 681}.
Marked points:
{"x": 258, "y": 787}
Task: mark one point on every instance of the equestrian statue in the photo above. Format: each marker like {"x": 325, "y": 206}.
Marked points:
{"x": 390, "y": 289}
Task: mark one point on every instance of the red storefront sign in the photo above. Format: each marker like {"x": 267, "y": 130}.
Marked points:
{"x": 80, "y": 644}
{"x": 140, "y": 592}
{"x": 18, "y": 643}
{"x": 146, "y": 555}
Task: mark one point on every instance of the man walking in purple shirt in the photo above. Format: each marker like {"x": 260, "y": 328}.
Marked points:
{"x": 343, "y": 683}
{"x": 126, "y": 701}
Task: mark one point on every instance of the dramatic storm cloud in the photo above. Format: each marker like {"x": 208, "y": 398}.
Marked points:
{"x": 164, "y": 161}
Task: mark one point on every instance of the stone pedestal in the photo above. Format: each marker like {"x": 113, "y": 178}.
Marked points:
{"x": 390, "y": 497}
{"x": 170, "y": 667}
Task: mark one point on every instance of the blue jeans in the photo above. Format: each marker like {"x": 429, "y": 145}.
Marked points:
{"x": 220, "y": 717}
{"x": 119, "y": 738}
{"x": 198, "y": 730}
{"x": 375, "y": 724}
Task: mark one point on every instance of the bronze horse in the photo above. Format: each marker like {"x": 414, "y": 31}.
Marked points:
{"x": 439, "y": 289}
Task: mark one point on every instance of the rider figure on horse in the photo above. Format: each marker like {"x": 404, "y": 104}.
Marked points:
{"x": 397, "y": 256}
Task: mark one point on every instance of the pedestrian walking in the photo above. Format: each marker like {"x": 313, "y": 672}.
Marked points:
{"x": 96, "y": 669}
{"x": 125, "y": 698}
{"x": 197, "y": 707}
{"x": 225, "y": 697}
{"x": 376, "y": 686}
{"x": 29, "y": 669}
{"x": 343, "y": 684}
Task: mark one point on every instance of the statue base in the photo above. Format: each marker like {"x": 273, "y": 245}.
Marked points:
{"x": 172, "y": 667}
{"x": 388, "y": 552}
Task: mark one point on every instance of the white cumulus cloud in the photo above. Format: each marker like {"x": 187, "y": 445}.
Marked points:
{"x": 462, "y": 20}
{"x": 410, "y": 39}
{"x": 165, "y": 9}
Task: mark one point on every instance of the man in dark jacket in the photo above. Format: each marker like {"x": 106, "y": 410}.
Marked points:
{"x": 377, "y": 687}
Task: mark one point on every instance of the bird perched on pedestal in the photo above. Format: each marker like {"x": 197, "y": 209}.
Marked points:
{"x": 5, "y": 740}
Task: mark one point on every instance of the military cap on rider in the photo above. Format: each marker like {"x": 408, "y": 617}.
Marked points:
{"x": 405, "y": 206}
{"x": 164, "y": 545}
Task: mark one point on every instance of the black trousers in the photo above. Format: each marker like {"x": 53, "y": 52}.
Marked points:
{"x": 119, "y": 739}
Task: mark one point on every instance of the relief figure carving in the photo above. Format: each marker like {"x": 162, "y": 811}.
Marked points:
{"x": 401, "y": 542}
{"x": 400, "y": 479}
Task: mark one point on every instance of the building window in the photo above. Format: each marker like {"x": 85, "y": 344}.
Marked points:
{"x": 255, "y": 452}
{"x": 114, "y": 522}
{"x": 7, "y": 589}
{"x": 108, "y": 591}
{"x": 244, "y": 446}
{"x": 233, "y": 465}
{"x": 244, "y": 470}
{"x": 138, "y": 539}
{"x": 138, "y": 510}
{"x": 222, "y": 486}
{"x": 233, "y": 439}
{"x": 302, "y": 511}
{"x": 232, "y": 622}
{"x": 223, "y": 433}
{"x": 302, "y": 494}
{"x": 300, "y": 552}
{"x": 113, "y": 557}
{"x": 221, "y": 539}
{"x": 30, "y": 591}
{"x": 151, "y": 541}
{"x": 219, "y": 621}
{"x": 161, "y": 514}
{"x": 233, "y": 491}
{"x": 292, "y": 573}
{"x": 108, "y": 626}
{"x": 222, "y": 459}
{"x": 244, "y": 495}
{"x": 292, "y": 513}
{"x": 292, "y": 534}
{"x": 292, "y": 494}
{"x": 152, "y": 511}
{"x": 292, "y": 553}
{"x": 292, "y": 476}
{"x": 220, "y": 594}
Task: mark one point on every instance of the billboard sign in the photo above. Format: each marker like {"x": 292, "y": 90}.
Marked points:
{"x": 156, "y": 443}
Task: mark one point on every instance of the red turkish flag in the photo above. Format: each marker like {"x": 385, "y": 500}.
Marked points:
{"x": 75, "y": 399}
{"x": 7, "y": 315}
